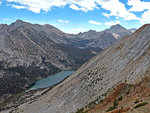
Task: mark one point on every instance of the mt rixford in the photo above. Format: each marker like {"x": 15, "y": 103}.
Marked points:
{"x": 125, "y": 61}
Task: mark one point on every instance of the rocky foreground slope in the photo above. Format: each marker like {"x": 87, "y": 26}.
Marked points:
{"x": 125, "y": 61}
{"x": 126, "y": 98}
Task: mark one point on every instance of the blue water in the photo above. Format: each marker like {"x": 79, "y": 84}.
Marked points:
{"x": 51, "y": 80}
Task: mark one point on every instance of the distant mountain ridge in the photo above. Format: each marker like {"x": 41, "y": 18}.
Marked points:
{"x": 79, "y": 40}
{"x": 96, "y": 39}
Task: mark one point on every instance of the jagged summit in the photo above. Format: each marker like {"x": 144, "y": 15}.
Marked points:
{"x": 18, "y": 23}
{"x": 117, "y": 26}
{"x": 92, "y": 31}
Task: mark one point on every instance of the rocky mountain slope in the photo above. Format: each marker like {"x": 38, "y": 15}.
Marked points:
{"x": 125, "y": 61}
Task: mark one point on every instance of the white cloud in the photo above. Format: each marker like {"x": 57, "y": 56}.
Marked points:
{"x": 117, "y": 17}
{"x": 64, "y": 21}
{"x": 94, "y": 22}
{"x": 6, "y": 19}
{"x": 139, "y": 6}
{"x": 116, "y": 8}
{"x": 106, "y": 15}
{"x": 136, "y": 3}
{"x": 75, "y": 7}
{"x": 37, "y": 5}
{"x": 145, "y": 17}
{"x": 112, "y": 23}
{"x": 85, "y": 4}
{"x": 18, "y": 6}
{"x": 0, "y": 3}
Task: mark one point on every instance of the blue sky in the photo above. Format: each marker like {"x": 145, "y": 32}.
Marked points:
{"x": 73, "y": 16}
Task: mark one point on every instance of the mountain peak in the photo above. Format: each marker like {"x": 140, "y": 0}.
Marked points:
{"x": 117, "y": 26}
{"x": 92, "y": 30}
{"x": 19, "y": 21}
{"x": 118, "y": 31}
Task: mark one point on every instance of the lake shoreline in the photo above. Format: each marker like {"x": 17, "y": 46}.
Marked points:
{"x": 50, "y": 80}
